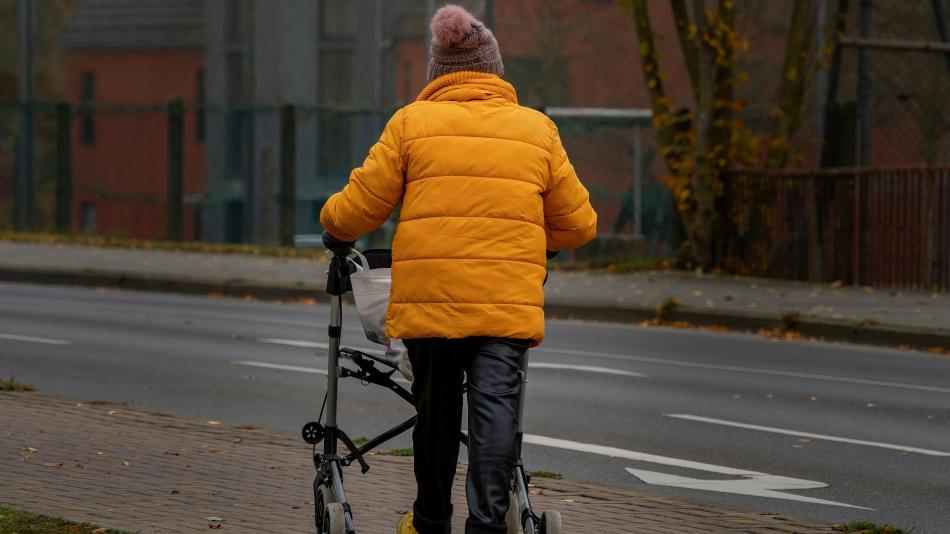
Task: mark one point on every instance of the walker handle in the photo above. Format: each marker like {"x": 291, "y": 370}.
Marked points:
{"x": 337, "y": 246}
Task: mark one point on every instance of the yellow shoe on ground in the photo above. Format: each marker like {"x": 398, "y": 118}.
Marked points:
{"x": 405, "y": 525}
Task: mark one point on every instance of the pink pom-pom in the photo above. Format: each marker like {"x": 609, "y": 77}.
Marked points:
{"x": 451, "y": 24}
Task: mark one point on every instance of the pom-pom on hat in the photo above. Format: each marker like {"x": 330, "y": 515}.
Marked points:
{"x": 460, "y": 42}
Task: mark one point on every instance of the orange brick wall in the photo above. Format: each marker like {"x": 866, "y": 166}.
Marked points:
{"x": 124, "y": 172}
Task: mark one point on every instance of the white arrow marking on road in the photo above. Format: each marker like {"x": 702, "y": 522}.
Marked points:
{"x": 30, "y": 339}
{"x": 758, "y": 485}
{"x": 824, "y": 437}
{"x": 754, "y": 483}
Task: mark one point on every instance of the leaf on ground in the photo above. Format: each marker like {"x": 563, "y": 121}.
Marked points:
{"x": 214, "y": 423}
{"x": 214, "y": 519}
{"x": 125, "y": 463}
{"x": 214, "y": 451}
{"x": 236, "y": 440}
{"x": 101, "y": 531}
{"x": 112, "y": 412}
{"x": 30, "y": 449}
{"x": 52, "y": 464}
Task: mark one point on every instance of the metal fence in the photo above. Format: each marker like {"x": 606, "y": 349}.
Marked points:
{"x": 256, "y": 174}
{"x": 261, "y": 174}
{"x": 868, "y": 226}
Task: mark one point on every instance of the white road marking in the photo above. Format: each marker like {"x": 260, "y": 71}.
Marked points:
{"x": 301, "y": 369}
{"x": 753, "y": 483}
{"x": 295, "y": 343}
{"x": 823, "y": 437}
{"x": 30, "y": 339}
{"x": 753, "y": 370}
{"x": 283, "y": 367}
{"x": 584, "y": 368}
{"x": 532, "y": 365}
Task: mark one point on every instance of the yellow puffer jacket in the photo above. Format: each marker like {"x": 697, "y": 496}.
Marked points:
{"x": 485, "y": 187}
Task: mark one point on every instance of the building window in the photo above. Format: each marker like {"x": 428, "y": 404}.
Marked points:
{"x": 87, "y": 96}
{"x": 200, "y": 103}
{"x": 336, "y": 77}
{"x": 339, "y": 19}
{"x": 87, "y": 217}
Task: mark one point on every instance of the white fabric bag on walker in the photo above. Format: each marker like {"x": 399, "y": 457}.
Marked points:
{"x": 371, "y": 293}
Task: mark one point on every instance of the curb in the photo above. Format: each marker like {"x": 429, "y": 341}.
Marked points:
{"x": 827, "y": 329}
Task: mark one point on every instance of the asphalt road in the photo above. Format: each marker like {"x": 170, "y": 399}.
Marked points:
{"x": 819, "y": 431}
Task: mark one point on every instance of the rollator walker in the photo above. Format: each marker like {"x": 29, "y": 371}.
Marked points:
{"x": 333, "y": 513}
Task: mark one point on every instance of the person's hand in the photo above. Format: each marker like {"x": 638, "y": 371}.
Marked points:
{"x": 337, "y": 246}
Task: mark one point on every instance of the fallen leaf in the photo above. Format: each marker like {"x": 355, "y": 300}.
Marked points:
{"x": 214, "y": 519}
{"x": 214, "y": 525}
{"x": 100, "y": 531}
{"x": 125, "y": 463}
{"x": 112, "y": 412}
{"x": 214, "y": 451}
{"x": 213, "y": 423}
{"x": 52, "y": 464}
{"x": 236, "y": 440}
{"x": 30, "y": 449}
{"x": 100, "y": 453}
{"x": 175, "y": 492}
{"x": 567, "y": 500}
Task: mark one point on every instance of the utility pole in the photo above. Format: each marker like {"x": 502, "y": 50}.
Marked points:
{"x": 821, "y": 87}
{"x": 24, "y": 196}
{"x": 864, "y": 86}
{"x": 430, "y": 12}
{"x": 490, "y": 14}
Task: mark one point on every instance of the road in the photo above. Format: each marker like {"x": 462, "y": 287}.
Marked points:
{"x": 819, "y": 431}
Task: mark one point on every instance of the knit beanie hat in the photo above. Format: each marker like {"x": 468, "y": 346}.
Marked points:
{"x": 460, "y": 42}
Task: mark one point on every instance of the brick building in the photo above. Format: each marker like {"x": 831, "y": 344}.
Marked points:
{"x": 125, "y": 59}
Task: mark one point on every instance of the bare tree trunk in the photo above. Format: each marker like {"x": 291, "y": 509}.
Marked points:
{"x": 704, "y": 173}
{"x": 688, "y": 39}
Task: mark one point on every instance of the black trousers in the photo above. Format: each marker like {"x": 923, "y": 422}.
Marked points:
{"x": 491, "y": 367}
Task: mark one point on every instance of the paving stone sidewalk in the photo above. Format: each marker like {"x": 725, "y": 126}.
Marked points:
{"x": 147, "y": 472}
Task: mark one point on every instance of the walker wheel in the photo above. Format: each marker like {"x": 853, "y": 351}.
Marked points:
{"x": 333, "y": 520}
{"x": 513, "y": 518}
{"x": 323, "y": 499}
{"x": 312, "y": 432}
{"x": 551, "y": 523}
